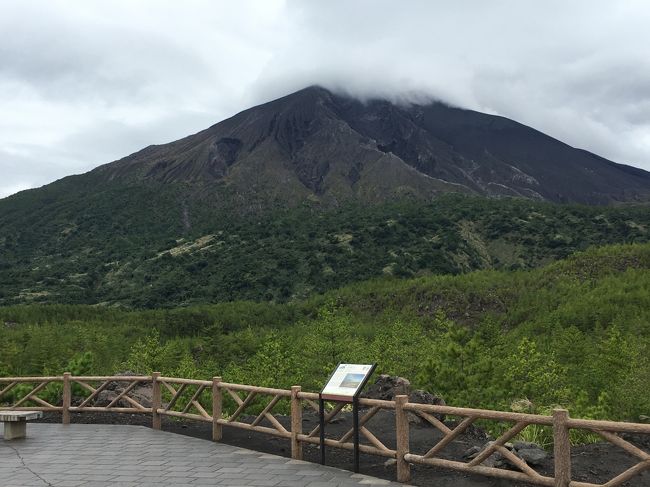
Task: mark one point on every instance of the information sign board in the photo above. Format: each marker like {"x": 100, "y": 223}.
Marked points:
{"x": 344, "y": 385}
{"x": 346, "y": 381}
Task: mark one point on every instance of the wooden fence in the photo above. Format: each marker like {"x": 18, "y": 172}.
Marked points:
{"x": 185, "y": 398}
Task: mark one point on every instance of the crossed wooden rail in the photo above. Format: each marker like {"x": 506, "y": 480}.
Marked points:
{"x": 203, "y": 400}
{"x": 376, "y": 446}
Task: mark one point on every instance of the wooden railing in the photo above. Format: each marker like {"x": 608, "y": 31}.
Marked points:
{"x": 204, "y": 401}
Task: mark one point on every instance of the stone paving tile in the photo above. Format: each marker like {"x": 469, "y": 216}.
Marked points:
{"x": 133, "y": 456}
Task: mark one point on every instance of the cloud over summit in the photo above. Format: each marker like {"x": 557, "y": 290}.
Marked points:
{"x": 84, "y": 84}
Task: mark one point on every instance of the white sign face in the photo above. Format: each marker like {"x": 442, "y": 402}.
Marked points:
{"x": 346, "y": 380}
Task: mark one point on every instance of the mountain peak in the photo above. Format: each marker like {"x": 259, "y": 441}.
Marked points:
{"x": 320, "y": 146}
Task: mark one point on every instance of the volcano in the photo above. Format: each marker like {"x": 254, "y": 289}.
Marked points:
{"x": 315, "y": 145}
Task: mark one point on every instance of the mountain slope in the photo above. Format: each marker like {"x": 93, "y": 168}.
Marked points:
{"x": 315, "y": 145}
{"x": 145, "y": 249}
{"x": 307, "y": 193}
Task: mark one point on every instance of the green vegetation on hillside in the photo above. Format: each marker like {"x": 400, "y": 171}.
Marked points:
{"x": 574, "y": 333}
{"x": 159, "y": 246}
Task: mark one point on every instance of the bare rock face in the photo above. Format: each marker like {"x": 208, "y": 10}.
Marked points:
{"x": 223, "y": 154}
{"x": 142, "y": 393}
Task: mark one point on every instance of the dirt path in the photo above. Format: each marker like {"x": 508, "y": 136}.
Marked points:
{"x": 595, "y": 463}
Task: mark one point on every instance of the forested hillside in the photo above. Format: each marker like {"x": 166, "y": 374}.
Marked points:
{"x": 151, "y": 246}
{"x": 574, "y": 333}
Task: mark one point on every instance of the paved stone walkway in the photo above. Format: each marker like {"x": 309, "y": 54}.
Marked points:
{"x": 135, "y": 456}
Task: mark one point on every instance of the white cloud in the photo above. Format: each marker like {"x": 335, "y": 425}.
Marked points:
{"x": 6, "y": 190}
{"x": 85, "y": 83}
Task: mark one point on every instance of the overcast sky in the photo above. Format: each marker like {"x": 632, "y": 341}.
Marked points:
{"x": 87, "y": 82}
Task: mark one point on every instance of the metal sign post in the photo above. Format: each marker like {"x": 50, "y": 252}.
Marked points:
{"x": 355, "y": 425}
{"x": 344, "y": 385}
{"x": 321, "y": 413}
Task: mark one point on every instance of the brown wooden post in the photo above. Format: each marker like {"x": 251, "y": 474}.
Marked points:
{"x": 402, "y": 436}
{"x": 67, "y": 398}
{"x": 296, "y": 424}
{"x": 217, "y": 411}
{"x": 156, "y": 401}
{"x": 561, "y": 448}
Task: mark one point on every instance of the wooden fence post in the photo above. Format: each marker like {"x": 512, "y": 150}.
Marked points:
{"x": 67, "y": 398}
{"x": 217, "y": 409}
{"x": 402, "y": 436}
{"x": 561, "y": 448}
{"x": 156, "y": 402}
{"x": 296, "y": 424}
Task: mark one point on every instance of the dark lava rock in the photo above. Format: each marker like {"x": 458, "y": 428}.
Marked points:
{"x": 524, "y": 445}
{"x": 142, "y": 393}
{"x": 386, "y": 387}
{"x": 532, "y": 456}
{"x": 422, "y": 397}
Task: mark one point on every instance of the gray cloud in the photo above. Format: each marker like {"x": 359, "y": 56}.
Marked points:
{"x": 86, "y": 83}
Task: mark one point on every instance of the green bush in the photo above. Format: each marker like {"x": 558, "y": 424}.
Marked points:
{"x": 574, "y": 334}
